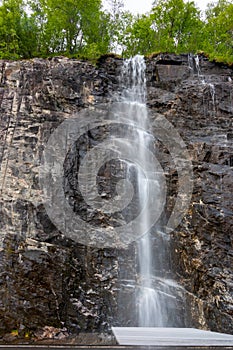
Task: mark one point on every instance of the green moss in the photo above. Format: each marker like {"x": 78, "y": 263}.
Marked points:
{"x": 95, "y": 60}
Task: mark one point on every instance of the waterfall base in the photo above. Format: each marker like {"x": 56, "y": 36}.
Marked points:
{"x": 170, "y": 337}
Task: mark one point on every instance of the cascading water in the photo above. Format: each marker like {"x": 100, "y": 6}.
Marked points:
{"x": 149, "y": 308}
{"x": 154, "y": 294}
{"x": 194, "y": 65}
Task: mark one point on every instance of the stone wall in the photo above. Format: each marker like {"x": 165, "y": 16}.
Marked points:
{"x": 47, "y": 279}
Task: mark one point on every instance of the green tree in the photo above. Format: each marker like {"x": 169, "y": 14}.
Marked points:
{"x": 171, "y": 26}
{"x": 139, "y": 36}
{"x": 28, "y": 34}
{"x": 17, "y": 31}
{"x": 69, "y": 26}
{"x": 218, "y": 34}
{"x": 97, "y": 36}
{"x": 10, "y": 18}
{"x": 30, "y": 28}
{"x": 116, "y": 23}
{"x": 176, "y": 25}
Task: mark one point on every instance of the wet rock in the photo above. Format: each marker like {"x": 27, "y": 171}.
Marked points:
{"x": 48, "y": 280}
{"x": 202, "y": 252}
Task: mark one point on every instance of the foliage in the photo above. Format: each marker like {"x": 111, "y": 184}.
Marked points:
{"x": 47, "y": 27}
{"x": 172, "y": 26}
{"x": 176, "y": 23}
{"x": 67, "y": 26}
{"x": 218, "y": 38}
{"x": 10, "y": 17}
{"x": 83, "y": 28}
{"x": 139, "y": 37}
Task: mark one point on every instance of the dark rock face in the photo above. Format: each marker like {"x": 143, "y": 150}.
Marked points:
{"x": 47, "y": 279}
{"x": 200, "y": 107}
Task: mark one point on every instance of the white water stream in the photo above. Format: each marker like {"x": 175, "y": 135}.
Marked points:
{"x": 154, "y": 294}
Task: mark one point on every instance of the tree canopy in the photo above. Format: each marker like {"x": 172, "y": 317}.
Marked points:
{"x": 84, "y": 28}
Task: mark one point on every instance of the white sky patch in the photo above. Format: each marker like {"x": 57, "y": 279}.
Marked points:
{"x": 138, "y": 6}
{"x": 143, "y": 6}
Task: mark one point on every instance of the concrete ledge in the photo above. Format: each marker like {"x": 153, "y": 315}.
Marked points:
{"x": 187, "y": 337}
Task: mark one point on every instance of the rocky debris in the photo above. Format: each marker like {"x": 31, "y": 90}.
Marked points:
{"x": 59, "y": 337}
{"x": 46, "y": 278}
{"x": 51, "y": 333}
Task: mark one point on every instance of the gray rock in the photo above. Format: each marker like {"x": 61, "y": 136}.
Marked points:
{"x": 48, "y": 280}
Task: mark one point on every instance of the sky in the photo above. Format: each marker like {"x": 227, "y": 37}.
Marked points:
{"x": 142, "y": 6}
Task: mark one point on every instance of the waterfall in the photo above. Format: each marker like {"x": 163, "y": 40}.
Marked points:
{"x": 154, "y": 294}
{"x": 212, "y": 93}
{"x": 194, "y": 65}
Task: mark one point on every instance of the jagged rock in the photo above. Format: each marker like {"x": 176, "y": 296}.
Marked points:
{"x": 46, "y": 279}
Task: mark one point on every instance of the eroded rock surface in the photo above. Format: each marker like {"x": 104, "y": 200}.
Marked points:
{"x": 200, "y": 107}
{"x": 46, "y": 279}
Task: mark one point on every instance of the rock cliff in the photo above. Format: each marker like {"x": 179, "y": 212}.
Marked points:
{"x": 46, "y": 279}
